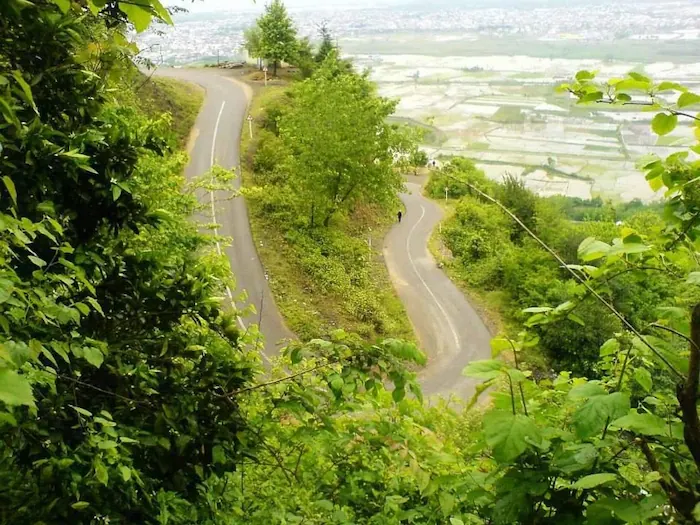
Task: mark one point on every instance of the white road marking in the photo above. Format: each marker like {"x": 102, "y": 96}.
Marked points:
{"x": 213, "y": 216}
{"x": 413, "y": 265}
{"x": 211, "y": 165}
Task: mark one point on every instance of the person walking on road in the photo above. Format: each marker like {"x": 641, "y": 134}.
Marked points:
{"x": 400, "y": 215}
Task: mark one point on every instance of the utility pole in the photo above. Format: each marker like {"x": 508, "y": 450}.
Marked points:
{"x": 250, "y": 125}
{"x": 218, "y": 62}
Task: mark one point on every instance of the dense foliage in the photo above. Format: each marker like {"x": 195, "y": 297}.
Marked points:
{"x": 494, "y": 257}
{"x": 116, "y": 354}
{"x": 129, "y": 395}
{"x": 278, "y": 41}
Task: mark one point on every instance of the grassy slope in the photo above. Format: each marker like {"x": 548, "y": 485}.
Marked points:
{"x": 181, "y": 100}
{"x": 306, "y": 311}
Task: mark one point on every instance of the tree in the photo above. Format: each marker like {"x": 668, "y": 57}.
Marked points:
{"x": 304, "y": 58}
{"x": 113, "y": 336}
{"x": 278, "y": 41}
{"x": 253, "y": 43}
{"x": 418, "y": 159}
{"x": 516, "y": 197}
{"x": 342, "y": 149}
{"x": 327, "y": 46}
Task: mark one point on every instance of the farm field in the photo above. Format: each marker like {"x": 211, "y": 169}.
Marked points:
{"x": 503, "y": 112}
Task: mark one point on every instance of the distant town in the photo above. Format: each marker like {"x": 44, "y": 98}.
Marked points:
{"x": 206, "y": 36}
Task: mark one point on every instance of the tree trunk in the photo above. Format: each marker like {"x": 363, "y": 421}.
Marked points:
{"x": 687, "y": 393}
{"x": 274, "y": 68}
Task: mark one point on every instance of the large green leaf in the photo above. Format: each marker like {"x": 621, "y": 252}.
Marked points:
{"x": 26, "y": 90}
{"x": 591, "y": 249}
{"x": 498, "y": 345}
{"x": 93, "y": 356}
{"x": 591, "y": 417}
{"x": 663, "y": 123}
{"x": 587, "y": 389}
{"x": 7, "y": 181}
{"x": 138, "y": 15}
{"x": 161, "y": 12}
{"x": 15, "y": 389}
{"x": 688, "y": 99}
{"x": 447, "y": 502}
{"x": 610, "y": 347}
{"x": 576, "y": 457}
{"x": 593, "y": 480}
{"x": 487, "y": 369}
{"x": 509, "y": 435}
{"x": 646, "y": 424}
{"x": 63, "y": 5}
{"x": 643, "y": 377}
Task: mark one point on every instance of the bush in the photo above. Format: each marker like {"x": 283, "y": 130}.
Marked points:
{"x": 450, "y": 177}
{"x": 492, "y": 254}
{"x": 269, "y": 154}
{"x": 476, "y": 230}
{"x": 513, "y": 194}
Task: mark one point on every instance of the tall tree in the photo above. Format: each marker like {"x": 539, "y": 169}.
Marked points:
{"x": 326, "y": 47}
{"x": 278, "y": 34}
{"x": 342, "y": 148}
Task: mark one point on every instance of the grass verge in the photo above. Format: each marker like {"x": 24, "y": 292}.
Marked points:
{"x": 182, "y": 100}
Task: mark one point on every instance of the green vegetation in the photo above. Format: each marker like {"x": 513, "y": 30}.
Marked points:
{"x": 492, "y": 254}
{"x": 119, "y": 365}
{"x": 508, "y": 115}
{"x": 314, "y": 229}
{"x": 128, "y": 393}
{"x": 429, "y": 135}
{"x": 109, "y": 295}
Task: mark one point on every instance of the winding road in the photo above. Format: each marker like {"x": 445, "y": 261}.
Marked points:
{"x": 217, "y": 135}
{"x": 447, "y": 326}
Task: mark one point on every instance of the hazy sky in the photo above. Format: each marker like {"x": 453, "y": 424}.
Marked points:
{"x": 202, "y": 6}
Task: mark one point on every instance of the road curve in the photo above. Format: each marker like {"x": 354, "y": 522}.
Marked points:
{"x": 217, "y": 136}
{"x": 448, "y": 328}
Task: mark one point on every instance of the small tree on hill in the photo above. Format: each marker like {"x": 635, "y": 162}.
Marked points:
{"x": 326, "y": 47}
{"x": 278, "y": 35}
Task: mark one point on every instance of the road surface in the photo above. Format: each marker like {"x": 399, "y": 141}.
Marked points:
{"x": 449, "y": 330}
{"x": 217, "y": 136}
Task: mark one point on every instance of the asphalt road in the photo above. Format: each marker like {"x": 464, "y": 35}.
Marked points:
{"x": 449, "y": 329}
{"x": 216, "y": 137}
